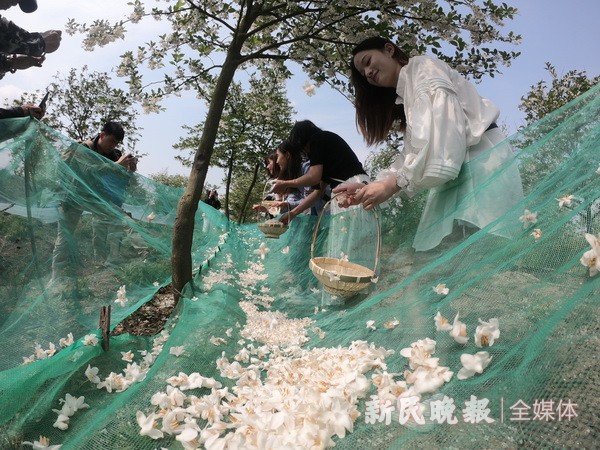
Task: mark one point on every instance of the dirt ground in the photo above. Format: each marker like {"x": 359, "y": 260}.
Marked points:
{"x": 150, "y": 318}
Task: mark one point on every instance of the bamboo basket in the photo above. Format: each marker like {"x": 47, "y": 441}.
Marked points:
{"x": 271, "y": 228}
{"x": 339, "y": 277}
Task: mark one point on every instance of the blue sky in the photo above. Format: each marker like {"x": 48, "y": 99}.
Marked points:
{"x": 563, "y": 33}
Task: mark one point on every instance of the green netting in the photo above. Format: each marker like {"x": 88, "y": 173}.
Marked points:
{"x": 298, "y": 367}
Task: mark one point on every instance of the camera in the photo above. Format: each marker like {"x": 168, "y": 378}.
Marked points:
{"x": 28, "y": 6}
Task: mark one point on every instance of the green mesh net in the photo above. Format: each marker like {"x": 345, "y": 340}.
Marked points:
{"x": 257, "y": 354}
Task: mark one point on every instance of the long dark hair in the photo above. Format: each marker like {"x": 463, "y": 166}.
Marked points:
{"x": 293, "y": 168}
{"x": 272, "y": 157}
{"x": 301, "y": 134}
{"x": 376, "y": 108}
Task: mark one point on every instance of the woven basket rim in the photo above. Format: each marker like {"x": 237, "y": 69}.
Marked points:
{"x": 269, "y": 202}
{"x": 275, "y": 224}
{"x": 356, "y": 279}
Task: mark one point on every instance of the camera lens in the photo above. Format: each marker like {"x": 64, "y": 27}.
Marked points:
{"x": 28, "y": 6}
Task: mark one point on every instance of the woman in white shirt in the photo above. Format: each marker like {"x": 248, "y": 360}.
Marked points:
{"x": 446, "y": 124}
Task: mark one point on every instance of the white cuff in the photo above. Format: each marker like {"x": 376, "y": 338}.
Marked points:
{"x": 401, "y": 180}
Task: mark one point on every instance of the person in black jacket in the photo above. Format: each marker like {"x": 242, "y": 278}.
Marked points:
{"x": 213, "y": 199}
{"x": 108, "y": 177}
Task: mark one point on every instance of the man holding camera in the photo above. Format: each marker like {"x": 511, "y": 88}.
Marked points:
{"x": 109, "y": 183}
{"x": 20, "y": 49}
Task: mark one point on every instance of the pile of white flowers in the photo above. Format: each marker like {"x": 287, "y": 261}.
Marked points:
{"x": 307, "y": 397}
{"x": 273, "y": 327}
{"x": 41, "y": 353}
{"x": 133, "y": 373}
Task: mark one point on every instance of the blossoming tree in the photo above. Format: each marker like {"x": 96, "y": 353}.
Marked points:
{"x": 211, "y": 41}
{"x": 253, "y": 123}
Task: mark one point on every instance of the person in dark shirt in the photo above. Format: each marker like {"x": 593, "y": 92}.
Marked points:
{"x": 109, "y": 181}
{"x": 332, "y": 161}
{"x": 213, "y": 199}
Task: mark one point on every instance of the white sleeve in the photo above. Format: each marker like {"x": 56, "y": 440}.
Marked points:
{"x": 435, "y": 142}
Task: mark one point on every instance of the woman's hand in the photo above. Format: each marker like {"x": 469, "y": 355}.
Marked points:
{"x": 287, "y": 217}
{"x": 369, "y": 195}
{"x": 373, "y": 194}
{"x": 260, "y": 208}
{"x": 279, "y": 186}
{"x": 280, "y": 205}
{"x": 347, "y": 192}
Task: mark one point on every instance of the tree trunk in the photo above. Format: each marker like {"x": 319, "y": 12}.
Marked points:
{"x": 183, "y": 229}
{"x": 242, "y": 216}
{"x": 228, "y": 182}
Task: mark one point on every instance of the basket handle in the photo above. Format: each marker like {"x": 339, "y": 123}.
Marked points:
{"x": 316, "y": 230}
{"x": 267, "y": 189}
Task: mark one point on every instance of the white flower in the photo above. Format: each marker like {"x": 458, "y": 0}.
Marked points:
{"x": 374, "y": 280}
{"x": 262, "y": 250}
{"x": 91, "y": 374}
{"x": 40, "y": 353}
{"x": 134, "y": 373}
{"x": 114, "y": 381}
{"x": 428, "y": 380}
{"x": 172, "y": 421}
{"x": 90, "y": 339}
{"x": 441, "y": 289}
{"x": 29, "y": 359}
{"x": 591, "y": 258}
{"x": 42, "y": 444}
{"x": 419, "y": 353}
{"x": 459, "y": 331}
{"x": 487, "y": 333}
{"x": 371, "y": 324}
{"x": 65, "y": 342}
{"x": 598, "y": 170}
{"x": 151, "y": 216}
{"x": 127, "y": 356}
{"x": 285, "y": 250}
{"x": 536, "y": 233}
{"x": 566, "y": 201}
{"x": 147, "y": 424}
{"x": 72, "y": 404}
{"x": 121, "y": 296}
{"x": 309, "y": 88}
{"x": 473, "y": 364}
{"x": 188, "y": 435}
{"x": 177, "y": 350}
{"x": 156, "y": 284}
{"x": 333, "y": 276}
{"x": 62, "y": 422}
{"x": 51, "y": 350}
{"x": 528, "y": 218}
{"x": 441, "y": 323}
{"x": 217, "y": 340}
{"x": 343, "y": 257}
{"x": 391, "y": 324}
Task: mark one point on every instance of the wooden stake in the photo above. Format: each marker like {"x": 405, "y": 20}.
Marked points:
{"x": 105, "y": 326}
